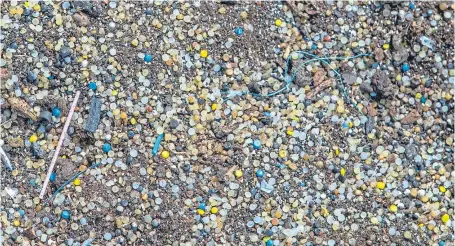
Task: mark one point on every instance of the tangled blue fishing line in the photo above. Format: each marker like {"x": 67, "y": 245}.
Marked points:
{"x": 289, "y": 78}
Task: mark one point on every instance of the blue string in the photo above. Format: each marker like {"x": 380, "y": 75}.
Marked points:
{"x": 290, "y": 78}
{"x": 69, "y": 181}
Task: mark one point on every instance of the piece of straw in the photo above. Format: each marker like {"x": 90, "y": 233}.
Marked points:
{"x": 60, "y": 142}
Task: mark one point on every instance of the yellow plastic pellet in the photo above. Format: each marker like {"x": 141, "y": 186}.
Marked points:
{"x": 33, "y": 138}
{"x": 342, "y": 171}
{"x": 386, "y": 46}
{"x": 290, "y": 132}
{"x": 238, "y": 173}
{"x": 204, "y": 53}
{"x": 445, "y": 218}
{"x": 16, "y": 223}
{"x": 380, "y": 185}
{"x": 418, "y": 95}
{"x": 393, "y": 208}
{"x": 282, "y": 153}
{"x": 214, "y": 210}
{"x": 77, "y": 182}
{"x": 278, "y": 22}
{"x": 165, "y": 154}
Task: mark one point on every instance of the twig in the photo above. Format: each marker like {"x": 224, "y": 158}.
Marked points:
{"x": 60, "y": 142}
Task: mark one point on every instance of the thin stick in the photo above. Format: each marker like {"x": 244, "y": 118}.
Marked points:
{"x": 60, "y": 142}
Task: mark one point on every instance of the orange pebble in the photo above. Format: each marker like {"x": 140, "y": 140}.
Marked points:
{"x": 275, "y": 221}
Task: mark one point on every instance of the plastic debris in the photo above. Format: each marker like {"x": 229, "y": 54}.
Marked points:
{"x": 94, "y": 115}
{"x": 6, "y": 160}
{"x": 157, "y": 144}
{"x": 424, "y": 40}
{"x": 266, "y": 187}
{"x": 59, "y": 144}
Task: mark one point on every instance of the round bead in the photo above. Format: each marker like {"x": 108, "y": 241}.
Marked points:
{"x": 278, "y": 22}
{"x": 442, "y": 189}
{"x": 165, "y": 154}
{"x": 445, "y": 218}
{"x": 204, "y": 53}
{"x": 405, "y": 67}
{"x": 238, "y": 31}
{"x": 148, "y": 58}
{"x": 260, "y": 173}
{"x": 92, "y": 86}
{"x": 77, "y": 182}
{"x": 65, "y": 214}
{"x": 33, "y": 138}
{"x": 16, "y": 223}
{"x": 56, "y": 112}
{"x": 106, "y": 147}
{"x": 257, "y": 144}
{"x": 393, "y": 208}
{"x": 238, "y": 173}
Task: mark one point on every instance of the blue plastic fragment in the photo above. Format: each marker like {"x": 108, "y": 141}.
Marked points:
{"x": 157, "y": 144}
{"x": 87, "y": 242}
{"x": 427, "y": 42}
{"x": 52, "y": 177}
